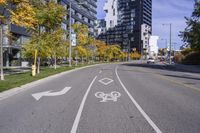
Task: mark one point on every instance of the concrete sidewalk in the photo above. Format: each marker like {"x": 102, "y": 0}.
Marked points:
{"x": 15, "y": 70}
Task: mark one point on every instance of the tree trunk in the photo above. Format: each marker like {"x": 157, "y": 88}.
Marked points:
{"x": 38, "y": 63}
{"x": 82, "y": 60}
{"x": 55, "y": 63}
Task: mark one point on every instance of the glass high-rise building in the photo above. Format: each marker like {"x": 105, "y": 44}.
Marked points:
{"x": 131, "y": 15}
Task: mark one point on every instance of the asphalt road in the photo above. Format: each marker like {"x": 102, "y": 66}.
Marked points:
{"x": 111, "y": 98}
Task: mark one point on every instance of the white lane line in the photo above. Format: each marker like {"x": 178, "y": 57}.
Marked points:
{"x": 100, "y": 71}
{"x": 78, "y": 116}
{"x": 153, "y": 125}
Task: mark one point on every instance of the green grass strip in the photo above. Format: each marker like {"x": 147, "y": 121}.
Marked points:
{"x": 17, "y": 80}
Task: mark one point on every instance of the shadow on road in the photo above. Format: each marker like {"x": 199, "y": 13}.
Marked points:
{"x": 185, "y": 77}
{"x": 176, "y": 68}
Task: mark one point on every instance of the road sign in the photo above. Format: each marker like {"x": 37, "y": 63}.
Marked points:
{"x": 73, "y": 39}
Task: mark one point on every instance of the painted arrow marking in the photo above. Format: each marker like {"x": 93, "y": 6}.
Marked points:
{"x": 39, "y": 95}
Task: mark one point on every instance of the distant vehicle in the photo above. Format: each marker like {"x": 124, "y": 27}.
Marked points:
{"x": 150, "y": 61}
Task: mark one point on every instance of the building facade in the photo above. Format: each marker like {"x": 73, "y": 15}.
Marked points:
{"x": 100, "y": 27}
{"x": 83, "y": 12}
{"x": 153, "y": 46}
{"x": 131, "y": 15}
{"x": 145, "y": 39}
{"x": 111, "y": 10}
{"x": 11, "y": 42}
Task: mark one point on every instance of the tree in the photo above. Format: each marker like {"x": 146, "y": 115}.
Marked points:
{"x": 91, "y": 48}
{"x": 35, "y": 43}
{"x": 113, "y": 52}
{"x": 21, "y": 12}
{"x": 56, "y": 45}
{"x": 81, "y": 31}
{"x": 23, "y": 15}
{"x": 85, "y": 44}
{"x": 2, "y": 4}
{"x": 162, "y": 51}
{"x": 186, "y": 51}
{"x": 49, "y": 45}
{"x": 49, "y": 15}
{"x": 191, "y": 34}
{"x": 178, "y": 57}
{"x": 81, "y": 51}
{"x": 135, "y": 55}
{"x": 101, "y": 49}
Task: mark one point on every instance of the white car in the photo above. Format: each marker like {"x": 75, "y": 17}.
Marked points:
{"x": 150, "y": 61}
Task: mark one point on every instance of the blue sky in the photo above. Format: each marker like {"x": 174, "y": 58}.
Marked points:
{"x": 165, "y": 11}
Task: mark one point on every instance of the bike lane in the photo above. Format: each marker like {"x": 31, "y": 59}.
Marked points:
{"x": 108, "y": 109}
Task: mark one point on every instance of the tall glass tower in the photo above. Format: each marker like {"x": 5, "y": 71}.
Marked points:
{"x": 131, "y": 15}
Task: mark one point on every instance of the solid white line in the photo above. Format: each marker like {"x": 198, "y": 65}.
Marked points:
{"x": 100, "y": 72}
{"x": 153, "y": 125}
{"x": 78, "y": 116}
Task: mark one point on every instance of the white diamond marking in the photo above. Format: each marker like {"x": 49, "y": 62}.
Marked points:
{"x": 106, "y": 81}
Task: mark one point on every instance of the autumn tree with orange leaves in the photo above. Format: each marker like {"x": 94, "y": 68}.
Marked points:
{"x": 49, "y": 16}
{"x": 21, "y": 15}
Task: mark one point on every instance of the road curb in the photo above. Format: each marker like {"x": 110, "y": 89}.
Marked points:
{"x": 14, "y": 91}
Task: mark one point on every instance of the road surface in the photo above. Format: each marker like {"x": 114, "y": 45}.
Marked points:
{"x": 110, "y": 98}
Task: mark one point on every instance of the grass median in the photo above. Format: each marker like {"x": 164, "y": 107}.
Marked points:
{"x": 19, "y": 79}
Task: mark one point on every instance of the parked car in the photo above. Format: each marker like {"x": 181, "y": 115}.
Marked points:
{"x": 150, "y": 61}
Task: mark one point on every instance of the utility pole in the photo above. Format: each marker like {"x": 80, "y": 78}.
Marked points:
{"x": 76, "y": 58}
{"x": 170, "y": 44}
{"x": 170, "y": 41}
{"x": 70, "y": 33}
{"x": 1, "y": 41}
{"x": 129, "y": 50}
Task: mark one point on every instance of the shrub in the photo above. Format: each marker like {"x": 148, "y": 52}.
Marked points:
{"x": 192, "y": 58}
{"x": 186, "y": 51}
{"x": 135, "y": 55}
{"x": 178, "y": 57}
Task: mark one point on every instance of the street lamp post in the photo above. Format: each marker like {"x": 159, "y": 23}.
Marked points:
{"x": 170, "y": 46}
{"x": 170, "y": 41}
{"x": 173, "y": 48}
{"x": 70, "y": 33}
{"x": 166, "y": 46}
{"x": 1, "y": 41}
{"x": 129, "y": 50}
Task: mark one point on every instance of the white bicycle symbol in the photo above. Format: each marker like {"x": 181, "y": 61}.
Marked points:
{"x": 110, "y": 96}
